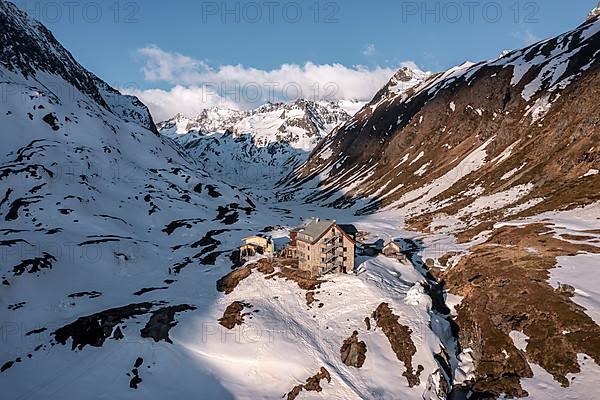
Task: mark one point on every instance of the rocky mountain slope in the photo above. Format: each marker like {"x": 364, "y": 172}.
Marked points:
{"x": 595, "y": 12}
{"x": 259, "y": 146}
{"x": 31, "y": 52}
{"x": 501, "y": 158}
{"x": 475, "y": 144}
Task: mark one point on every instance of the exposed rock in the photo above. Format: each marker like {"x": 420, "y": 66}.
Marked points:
{"x": 35, "y": 331}
{"x": 51, "y": 120}
{"x": 136, "y": 380}
{"x": 303, "y": 278}
{"x": 94, "y": 329}
{"x": 594, "y": 13}
{"x": 161, "y": 322}
{"x": 287, "y": 270}
{"x": 313, "y": 384}
{"x": 310, "y": 298}
{"x": 45, "y": 261}
{"x": 233, "y": 316}
{"x": 399, "y": 337}
{"x": 118, "y": 334}
{"x": 230, "y": 281}
{"x": 146, "y": 290}
{"x": 91, "y": 295}
{"x": 353, "y": 352}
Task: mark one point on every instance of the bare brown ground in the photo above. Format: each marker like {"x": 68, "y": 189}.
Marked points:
{"x": 568, "y": 236}
{"x": 505, "y": 288}
{"x": 230, "y": 281}
{"x": 304, "y": 280}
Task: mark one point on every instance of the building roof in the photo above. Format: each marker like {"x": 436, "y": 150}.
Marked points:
{"x": 378, "y": 244}
{"x": 316, "y": 228}
{"x": 256, "y": 237}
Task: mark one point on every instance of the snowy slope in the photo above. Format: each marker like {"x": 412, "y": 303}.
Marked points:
{"x": 462, "y": 156}
{"x": 88, "y": 220}
{"x": 112, "y": 241}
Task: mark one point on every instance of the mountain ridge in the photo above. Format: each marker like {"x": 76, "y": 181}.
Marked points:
{"x": 410, "y": 142}
{"x": 35, "y": 51}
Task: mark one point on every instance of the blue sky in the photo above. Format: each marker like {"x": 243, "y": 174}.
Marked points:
{"x": 379, "y": 35}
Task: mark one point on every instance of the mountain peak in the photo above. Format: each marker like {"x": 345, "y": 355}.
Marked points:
{"x": 594, "y": 12}
{"x": 35, "y": 57}
{"x": 34, "y": 49}
{"x": 272, "y": 120}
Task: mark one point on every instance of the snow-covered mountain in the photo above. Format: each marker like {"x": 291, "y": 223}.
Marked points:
{"x": 99, "y": 214}
{"x": 259, "y": 146}
{"x": 491, "y": 130}
{"x": 116, "y": 247}
{"x": 595, "y": 12}
{"x": 503, "y": 157}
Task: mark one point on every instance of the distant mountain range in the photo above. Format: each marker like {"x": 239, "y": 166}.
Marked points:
{"x": 266, "y": 144}
{"x": 259, "y": 146}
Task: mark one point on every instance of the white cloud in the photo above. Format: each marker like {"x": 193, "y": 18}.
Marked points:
{"x": 163, "y": 104}
{"x": 527, "y": 37}
{"x": 163, "y": 66}
{"x": 197, "y": 85}
{"x": 531, "y": 38}
{"x": 369, "y": 50}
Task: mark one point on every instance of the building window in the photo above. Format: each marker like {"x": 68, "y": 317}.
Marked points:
{"x": 345, "y": 249}
{"x": 322, "y": 259}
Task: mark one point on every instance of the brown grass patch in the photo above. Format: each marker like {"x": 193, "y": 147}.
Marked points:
{"x": 505, "y": 287}
{"x": 303, "y": 278}
{"x": 230, "y": 281}
{"x": 568, "y": 236}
